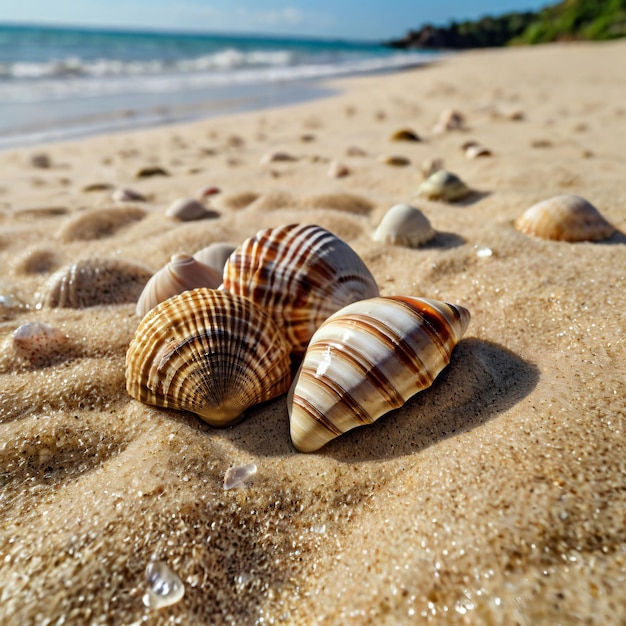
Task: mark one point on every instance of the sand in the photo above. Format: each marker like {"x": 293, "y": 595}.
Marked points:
{"x": 497, "y": 496}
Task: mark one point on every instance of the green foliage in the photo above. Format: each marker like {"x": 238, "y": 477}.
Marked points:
{"x": 567, "y": 20}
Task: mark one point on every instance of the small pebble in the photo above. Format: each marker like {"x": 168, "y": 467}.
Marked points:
{"x": 164, "y": 586}
{"x": 40, "y": 160}
{"x": 127, "y": 195}
{"x": 150, "y": 171}
{"x": 276, "y": 156}
{"x": 237, "y": 476}
{"x": 338, "y": 170}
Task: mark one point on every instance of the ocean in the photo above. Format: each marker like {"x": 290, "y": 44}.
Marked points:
{"x": 59, "y": 83}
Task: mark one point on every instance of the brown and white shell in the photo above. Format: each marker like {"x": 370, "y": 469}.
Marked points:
{"x": 443, "y": 185}
{"x": 368, "y": 359}
{"x": 182, "y": 273}
{"x": 209, "y": 352}
{"x": 404, "y": 225}
{"x": 565, "y": 218}
{"x": 39, "y": 343}
{"x": 300, "y": 274}
{"x": 92, "y": 282}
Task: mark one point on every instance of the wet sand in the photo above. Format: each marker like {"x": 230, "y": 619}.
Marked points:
{"x": 494, "y": 497}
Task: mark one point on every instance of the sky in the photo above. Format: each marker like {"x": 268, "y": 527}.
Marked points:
{"x": 345, "y": 19}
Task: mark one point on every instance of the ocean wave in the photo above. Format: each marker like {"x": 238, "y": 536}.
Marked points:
{"x": 70, "y": 79}
{"x": 227, "y": 59}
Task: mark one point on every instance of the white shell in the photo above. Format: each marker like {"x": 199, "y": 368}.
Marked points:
{"x": 368, "y": 359}
{"x": 182, "y": 273}
{"x": 404, "y": 225}
{"x": 188, "y": 209}
{"x": 38, "y": 342}
{"x": 215, "y": 255}
{"x": 565, "y": 218}
{"x": 443, "y": 185}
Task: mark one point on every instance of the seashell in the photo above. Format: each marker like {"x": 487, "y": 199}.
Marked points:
{"x": 215, "y": 255}
{"x": 277, "y": 155}
{"x": 449, "y": 120}
{"x": 127, "y": 195}
{"x": 338, "y": 170}
{"x": 97, "y": 187}
{"x": 188, "y": 209}
{"x": 404, "y": 225}
{"x": 94, "y": 281}
{"x": 368, "y": 359}
{"x": 151, "y": 171}
{"x": 565, "y": 218}
{"x": 300, "y": 274}
{"x": 38, "y": 342}
{"x": 206, "y": 191}
{"x": 182, "y": 273}
{"x": 238, "y": 476}
{"x": 41, "y": 160}
{"x": 443, "y": 185}
{"x": 473, "y": 150}
{"x": 355, "y": 151}
{"x": 209, "y": 352}
{"x": 404, "y": 134}
{"x": 164, "y": 587}
{"x": 395, "y": 160}
{"x": 431, "y": 165}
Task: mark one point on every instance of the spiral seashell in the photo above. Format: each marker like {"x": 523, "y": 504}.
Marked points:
{"x": 565, "y": 218}
{"x": 182, "y": 273}
{"x": 215, "y": 255}
{"x": 300, "y": 274}
{"x": 368, "y": 359}
{"x": 404, "y": 225}
{"x": 443, "y": 185}
{"x": 209, "y": 352}
{"x": 94, "y": 281}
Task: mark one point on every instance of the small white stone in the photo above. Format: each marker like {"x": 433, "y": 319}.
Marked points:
{"x": 237, "y": 476}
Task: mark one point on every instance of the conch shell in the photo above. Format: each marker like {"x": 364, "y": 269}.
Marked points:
{"x": 299, "y": 274}
{"x": 565, "y": 218}
{"x": 182, "y": 273}
{"x": 209, "y": 352}
{"x": 368, "y": 359}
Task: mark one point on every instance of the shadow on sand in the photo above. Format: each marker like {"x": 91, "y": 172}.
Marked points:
{"x": 483, "y": 380}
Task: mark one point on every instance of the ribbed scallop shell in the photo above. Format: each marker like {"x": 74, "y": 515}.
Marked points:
{"x": 94, "y": 281}
{"x": 209, "y": 352}
{"x": 301, "y": 275}
{"x": 404, "y": 225}
{"x": 368, "y": 359}
{"x": 182, "y": 273}
{"x": 565, "y": 218}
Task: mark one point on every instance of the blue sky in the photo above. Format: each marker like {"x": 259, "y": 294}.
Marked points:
{"x": 351, "y": 19}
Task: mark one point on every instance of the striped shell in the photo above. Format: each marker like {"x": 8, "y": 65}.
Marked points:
{"x": 404, "y": 225}
{"x": 443, "y": 185}
{"x": 368, "y": 359}
{"x": 208, "y": 352}
{"x": 92, "y": 282}
{"x": 301, "y": 275}
{"x": 182, "y": 273}
{"x": 565, "y": 218}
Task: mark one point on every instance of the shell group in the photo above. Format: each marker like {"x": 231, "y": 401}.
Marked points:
{"x": 368, "y": 359}
{"x": 209, "y": 352}
{"x": 300, "y": 275}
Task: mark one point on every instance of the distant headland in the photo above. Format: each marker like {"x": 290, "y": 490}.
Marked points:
{"x": 570, "y": 20}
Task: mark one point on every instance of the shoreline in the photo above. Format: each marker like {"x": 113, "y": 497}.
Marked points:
{"x": 495, "y": 496}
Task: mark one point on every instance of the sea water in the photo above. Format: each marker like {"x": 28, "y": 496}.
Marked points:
{"x": 57, "y": 83}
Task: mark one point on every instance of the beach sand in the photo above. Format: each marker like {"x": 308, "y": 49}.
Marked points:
{"x": 497, "y": 496}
